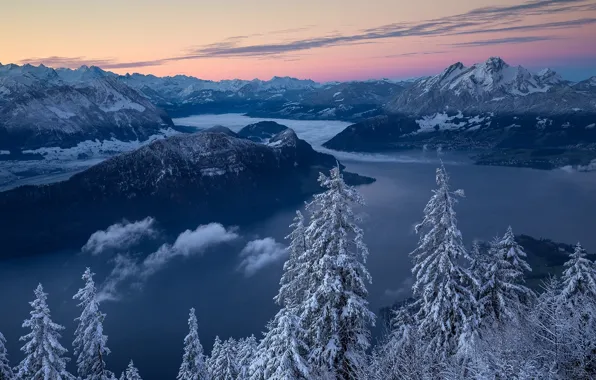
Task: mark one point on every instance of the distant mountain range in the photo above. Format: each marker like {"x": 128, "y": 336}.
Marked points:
{"x": 205, "y": 176}
{"x": 40, "y": 106}
{"x": 494, "y": 86}
{"x": 490, "y": 106}
{"x": 504, "y": 115}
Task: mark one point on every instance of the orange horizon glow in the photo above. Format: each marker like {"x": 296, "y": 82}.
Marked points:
{"x": 145, "y": 32}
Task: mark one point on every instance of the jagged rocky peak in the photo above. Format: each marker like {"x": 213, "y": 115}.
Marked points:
{"x": 495, "y": 64}
{"x": 261, "y": 131}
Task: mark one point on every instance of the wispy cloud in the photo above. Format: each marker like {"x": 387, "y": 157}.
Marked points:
{"x": 511, "y": 18}
{"x": 414, "y": 53}
{"x": 120, "y": 236}
{"x": 260, "y": 253}
{"x": 508, "y": 41}
{"x": 189, "y": 243}
{"x": 104, "y": 63}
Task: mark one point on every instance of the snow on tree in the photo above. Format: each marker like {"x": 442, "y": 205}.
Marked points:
{"x": 193, "y": 365}
{"x": 246, "y": 352}
{"x": 292, "y": 284}
{"x": 131, "y": 373}
{"x": 44, "y": 355}
{"x": 90, "y": 342}
{"x": 515, "y": 255}
{"x": 282, "y": 351}
{"x": 503, "y": 297}
{"x": 578, "y": 307}
{"x": 336, "y": 313}
{"x": 447, "y": 307}
{"x": 6, "y": 372}
{"x": 401, "y": 355}
{"x": 579, "y": 279}
{"x": 223, "y": 363}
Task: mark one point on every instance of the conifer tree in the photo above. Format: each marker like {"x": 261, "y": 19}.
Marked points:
{"x": 282, "y": 350}
{"x": 448, "y": 310}
{"x": 336, "y": 313}
{"x": 90, "y": 342}
{"x": 223, "y": 363}
{"x": 292, "y": 284}
{"x": 503, "y": 297}
{"x": 193, "y": 365}
{"x": 44, "y": 355}
{"x": 246, "y": 352}
{"x": 131, "y": 373}
{"x": 579, "y": 279}
{"x": 6, "y": 372}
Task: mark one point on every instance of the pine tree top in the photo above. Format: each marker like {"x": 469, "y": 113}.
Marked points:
{"x": 579, "y": 279}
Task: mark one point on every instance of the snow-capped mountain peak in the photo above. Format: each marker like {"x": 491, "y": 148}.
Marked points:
{"x": 490, "y": 78}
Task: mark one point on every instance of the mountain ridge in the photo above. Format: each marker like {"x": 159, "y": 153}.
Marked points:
{"x": 204, "y": 176}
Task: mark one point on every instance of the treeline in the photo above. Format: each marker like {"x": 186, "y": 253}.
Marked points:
{"x": 472, "y": 316}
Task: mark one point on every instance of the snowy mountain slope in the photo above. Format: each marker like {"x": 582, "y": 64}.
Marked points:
{"x": 508, "y": 139}
{"x": 491, "y": 86}
{"x": 208, "y": 175}
{"x": 42, "y": 107}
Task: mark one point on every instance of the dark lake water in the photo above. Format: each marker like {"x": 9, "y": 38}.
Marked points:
{"x": 148, "y": 324}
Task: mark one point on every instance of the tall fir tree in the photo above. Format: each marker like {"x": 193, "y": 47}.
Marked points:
{"x": 131, "y": 372}
{"x": 336, "y": 313}
{"x": 292, "y": 284}
{"x": 503, "y": 296}
{"x": 223, "y": 363}
{"x": 577, "y": 301}
{"x": 44, "y": 355}
{"x": 282, "y": 350}
{"x": 579, "y": 279}
{"x": 6, "y": 372}
{"x": 516, "y": 256}
{"x": 193, "y": 365}
{"x": 448, "y": 310}
{"x": 246, "y": 352}
{"x": 90, "y": 344}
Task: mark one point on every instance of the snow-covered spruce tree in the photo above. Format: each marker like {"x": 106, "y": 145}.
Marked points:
{"x": 292, "y": 284}
{"x": 336, "y": 314}
{"x": 131, "y": 373}
{"x": 448, "y": 311}
{"x": 516, "y": 256}
{"x": 281, "y": 351}
{"x": 223, "y": 363}
{"x": 90, "y": 342}
{"x": 578, "y": 303}
{"x": 246, "y": 352}
{"x": 193, "y": 365}
{"x": 6, "y": 372}
{"x": 503, "y": 298}
{"x": 579, "y": 279}
{"x": 44, "y": 355}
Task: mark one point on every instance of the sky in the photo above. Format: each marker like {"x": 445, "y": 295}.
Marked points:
{"x": 323, "y": 40}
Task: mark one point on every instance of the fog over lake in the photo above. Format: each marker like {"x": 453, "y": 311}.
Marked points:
{"x": 148, "y": 322}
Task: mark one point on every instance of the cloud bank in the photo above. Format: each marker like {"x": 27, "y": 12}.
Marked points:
{"x": 120, "y": 236}
{"x": 188, "y": 243}
{"x": 260, "y": 253}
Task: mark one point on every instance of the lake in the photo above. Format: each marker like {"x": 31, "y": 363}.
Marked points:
{"x": 148, "y": 323}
